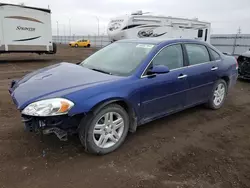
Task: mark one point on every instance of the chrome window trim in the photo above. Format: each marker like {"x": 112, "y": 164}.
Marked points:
{"x": 145, "y": 76}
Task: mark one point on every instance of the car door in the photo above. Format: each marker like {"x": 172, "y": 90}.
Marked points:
{"x": 84, "y": 43}
{"x": 81, "y": 43}
{"x": 164, "y": 93}
{"x": 201, "y": 73}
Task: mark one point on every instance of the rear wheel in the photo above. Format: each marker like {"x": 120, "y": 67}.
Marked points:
{"x": 76, "y": 45}
{"x": 218, "y": 95}
{"x": 88, "y": 45}
{"x": 105, "y": 131}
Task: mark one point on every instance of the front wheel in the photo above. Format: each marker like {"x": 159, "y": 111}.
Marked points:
{"x": 106, "y": 131}
{"x": 218, "y": 95}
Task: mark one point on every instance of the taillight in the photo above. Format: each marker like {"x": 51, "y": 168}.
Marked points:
{"x": 237, "y": 65}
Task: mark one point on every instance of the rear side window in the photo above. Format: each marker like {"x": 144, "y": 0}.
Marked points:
{"x": 197, "y": 54}
{"x": 214, "y": 54}
{"x": 170, "y": 56}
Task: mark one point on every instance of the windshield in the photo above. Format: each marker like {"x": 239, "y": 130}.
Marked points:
{"x": 118, "y": 58}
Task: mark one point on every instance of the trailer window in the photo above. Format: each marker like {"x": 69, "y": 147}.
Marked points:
{"x": 200, "y": 33}
{"x": 206, "y": 35}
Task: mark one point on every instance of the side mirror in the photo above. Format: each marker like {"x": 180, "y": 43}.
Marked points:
{"x": 158, "y": 69}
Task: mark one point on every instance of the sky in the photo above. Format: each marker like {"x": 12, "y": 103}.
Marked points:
{"x": 82, "y": 16}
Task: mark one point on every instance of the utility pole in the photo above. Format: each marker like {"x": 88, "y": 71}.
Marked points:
{"x": 239, "y": 30}
{"x": 57, "y": 31}
{"x": 235, "y": 40}
{"x": 64, "y": 33}
{"x": 98, "y": 25}
{"x": 104, "y": 32}
{"x": 70, "y": 27}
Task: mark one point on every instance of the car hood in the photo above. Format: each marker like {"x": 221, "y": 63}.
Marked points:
{"x": 57, "y": 79}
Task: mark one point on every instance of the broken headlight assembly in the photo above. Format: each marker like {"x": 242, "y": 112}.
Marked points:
{"x": 48, "y": 107}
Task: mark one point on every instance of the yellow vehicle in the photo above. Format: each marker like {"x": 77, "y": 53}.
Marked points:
{"x": 80, "y": 43}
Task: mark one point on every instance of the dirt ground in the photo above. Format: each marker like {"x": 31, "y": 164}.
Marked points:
{"x": 194, "y": 148}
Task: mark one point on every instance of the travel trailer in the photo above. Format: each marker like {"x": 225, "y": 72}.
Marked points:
{"x": 25, "y": 29}
{"x": 142, "y": 25}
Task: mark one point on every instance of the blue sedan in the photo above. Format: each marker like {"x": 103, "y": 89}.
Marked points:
{"x": 126, "y": 84}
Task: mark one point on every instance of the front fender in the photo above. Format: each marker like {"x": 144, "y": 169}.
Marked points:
{"x": 86, "y": 105}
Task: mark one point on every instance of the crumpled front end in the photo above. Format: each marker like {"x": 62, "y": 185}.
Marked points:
{"x": 244, "y": 67}
{"x": 61, "y": 126}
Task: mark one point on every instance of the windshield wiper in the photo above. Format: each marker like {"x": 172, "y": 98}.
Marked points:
{"x": 102, "y": 71}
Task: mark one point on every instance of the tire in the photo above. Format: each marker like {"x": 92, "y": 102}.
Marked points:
{"x": 212, "y": 104}
{"x": 90, "y": 140}
{"x": 88, "y": 45}
{"x": 76, "y": 45}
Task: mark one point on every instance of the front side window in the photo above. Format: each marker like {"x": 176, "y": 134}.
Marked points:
{"x": 170, "y": 56}
{"x": 118, "y": 58}
{"x": 197, "y": 54}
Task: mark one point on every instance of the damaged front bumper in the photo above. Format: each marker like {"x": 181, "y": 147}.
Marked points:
{"x": 61, "y": 126}
{"x": 244, "y": 66}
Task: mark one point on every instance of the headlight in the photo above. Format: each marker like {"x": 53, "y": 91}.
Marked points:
{"x": 49, "y": 107}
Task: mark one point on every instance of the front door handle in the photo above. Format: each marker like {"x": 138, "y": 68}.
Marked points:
{"x": 182, "y": 76}
{"x": 214, "y": 68}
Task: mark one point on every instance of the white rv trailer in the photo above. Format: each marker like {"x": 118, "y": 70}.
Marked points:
{"x": 141, "y": 25}
{"x": 25, "y": 29}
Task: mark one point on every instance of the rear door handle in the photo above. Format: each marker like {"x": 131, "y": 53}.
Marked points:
{"x": 182, "y": 76}
{"x": 214, "y": 68}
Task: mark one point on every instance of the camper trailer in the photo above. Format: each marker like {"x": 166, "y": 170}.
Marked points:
{"x": 142, "y": 25}
{"x": 25, "y": 29}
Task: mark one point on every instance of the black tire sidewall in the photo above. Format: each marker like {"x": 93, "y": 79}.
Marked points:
{"x": 89, "y": 140}
{"x": 211, "y": 100}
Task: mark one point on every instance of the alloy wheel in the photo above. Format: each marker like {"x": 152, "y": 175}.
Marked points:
{"x": 219, "y": 94}
{"x": 108, "y": 130}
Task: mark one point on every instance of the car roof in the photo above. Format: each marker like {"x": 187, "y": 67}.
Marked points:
{"x": 157, "y": 41}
